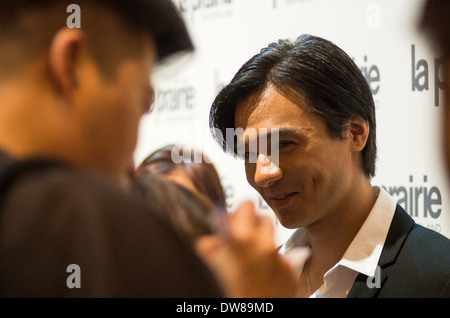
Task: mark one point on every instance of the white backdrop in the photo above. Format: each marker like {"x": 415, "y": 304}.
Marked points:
{"x": 382, "y": 37}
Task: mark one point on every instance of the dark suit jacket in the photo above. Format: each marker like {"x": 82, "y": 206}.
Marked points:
{"x": 415, "y": 262}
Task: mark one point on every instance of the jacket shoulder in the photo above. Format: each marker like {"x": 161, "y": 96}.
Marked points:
{"x": 418, "y": 262}
{"x": 415, "y": 262}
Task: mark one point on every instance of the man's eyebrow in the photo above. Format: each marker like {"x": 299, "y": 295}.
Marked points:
{"x": 281, "y": 132}
{"x": 285, "y": 132}
{"x": 290, "y": 132}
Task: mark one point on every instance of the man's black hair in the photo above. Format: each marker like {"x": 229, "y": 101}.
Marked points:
{"x": 332, "y": 85}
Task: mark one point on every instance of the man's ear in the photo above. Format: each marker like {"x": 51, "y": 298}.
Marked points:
{"x": 64, "y": 56}
{"x": 359, "y": 132}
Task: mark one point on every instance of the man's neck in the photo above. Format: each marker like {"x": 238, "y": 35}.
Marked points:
{"x": 330, "y": 237}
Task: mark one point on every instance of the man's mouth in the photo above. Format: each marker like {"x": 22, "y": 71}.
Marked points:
{"x": 282, "y": 197}
{"x": 282, "y": 200}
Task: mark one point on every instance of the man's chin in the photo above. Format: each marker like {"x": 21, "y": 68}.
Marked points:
{"x": 287, "y": 222}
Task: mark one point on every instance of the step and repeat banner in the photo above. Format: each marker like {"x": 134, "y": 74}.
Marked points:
{"x": 382, "y": 37}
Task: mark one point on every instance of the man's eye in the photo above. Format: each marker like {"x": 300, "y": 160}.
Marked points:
{"x": 285, "y": 145}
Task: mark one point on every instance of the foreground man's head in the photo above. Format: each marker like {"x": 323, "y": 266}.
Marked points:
{"x": 77, "y": 94}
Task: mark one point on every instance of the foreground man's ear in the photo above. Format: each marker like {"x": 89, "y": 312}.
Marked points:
{"x": 64, "y": 57}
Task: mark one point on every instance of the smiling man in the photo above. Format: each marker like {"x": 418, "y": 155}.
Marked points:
{"x": 314, "y": 96}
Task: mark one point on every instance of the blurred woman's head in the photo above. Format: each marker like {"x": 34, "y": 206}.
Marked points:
{"x": 191, "y": 215}
{"x": 194, "y": 171}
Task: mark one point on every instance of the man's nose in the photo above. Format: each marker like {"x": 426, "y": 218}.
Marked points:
{"x": 267, "y": 171}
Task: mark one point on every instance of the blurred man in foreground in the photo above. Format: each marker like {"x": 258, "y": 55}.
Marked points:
{"x": 71, "y": 102}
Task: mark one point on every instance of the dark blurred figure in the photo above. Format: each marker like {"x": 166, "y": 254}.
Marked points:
{"x": 436, "y": 23}
{"x": 71, "y": 102}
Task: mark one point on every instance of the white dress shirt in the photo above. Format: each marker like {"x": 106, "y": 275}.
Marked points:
{"x": 363, "y": 253}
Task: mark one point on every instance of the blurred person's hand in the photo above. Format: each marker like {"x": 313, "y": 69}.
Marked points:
{"x": 245, "y": 259}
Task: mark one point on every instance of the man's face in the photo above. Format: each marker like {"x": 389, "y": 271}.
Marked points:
{"x": 312, "y": 174}
{"x": 113, "y": 109}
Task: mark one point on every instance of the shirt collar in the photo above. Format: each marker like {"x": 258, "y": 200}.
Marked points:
{"x": 364, "y": 251}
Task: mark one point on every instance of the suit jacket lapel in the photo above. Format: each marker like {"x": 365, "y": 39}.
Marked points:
{"x": 400, "y": 227}
{"x": 361, "y": 289}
